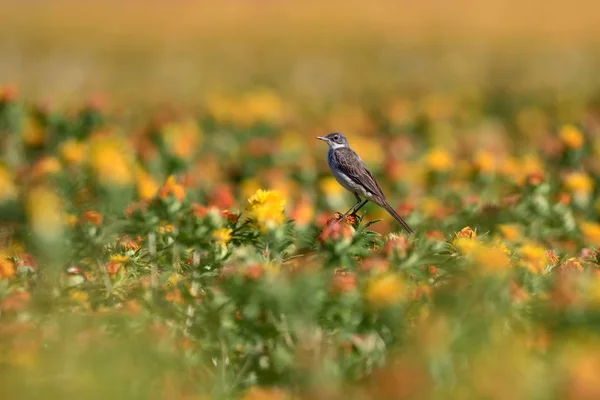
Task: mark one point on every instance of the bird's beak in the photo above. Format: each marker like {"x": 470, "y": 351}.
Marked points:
{"x": 323, "y": 138}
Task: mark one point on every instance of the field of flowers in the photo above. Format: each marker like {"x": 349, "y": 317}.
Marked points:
{"x": 190, "y": 256}
{"x": 171, "y": 237}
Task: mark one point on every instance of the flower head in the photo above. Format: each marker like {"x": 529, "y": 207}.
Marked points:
{"x": 579, "y": 183}
{"x": 384, "y": 291}
{"x": 109, "y": 161}
{"x": 438, "y": 160}
{"x": 72, "y": 152}
{"x": 571, "y": 137}
{"x": 533, "y": 257}
{"x": 591, "y": 232}
{"x": 222, "y": 236}
{"x": 146, "y": 186}
{"x": 172, "y": 188}
{"x": 266, "y": 208}
{"x": 182, "y": 138}
{"x": 45, "y": 212}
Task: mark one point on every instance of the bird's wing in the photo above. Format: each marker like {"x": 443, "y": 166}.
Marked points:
{"x": 350, "y": 164}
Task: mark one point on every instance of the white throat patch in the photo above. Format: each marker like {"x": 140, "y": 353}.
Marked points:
{"x": 334, "y": 145}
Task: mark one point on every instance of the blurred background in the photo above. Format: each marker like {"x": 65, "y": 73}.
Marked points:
{"x": 149, "y": 51}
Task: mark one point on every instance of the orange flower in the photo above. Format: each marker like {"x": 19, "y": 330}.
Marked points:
{"x": 182, "y": 139}
{"x": 172, "y": 188}
{"x": 467, "y": 232}
{"x": 397, "y": 243}
{"x": 7, "y": 268}
{"x": 33, "y": 133}
{"x": 257, "y": 393}
{"x": 44, "y": 167}
{"x": 146, "y": 186}
{"x": 571, "y": 265}
{"x": 485, "y": 162}
{"x": 93, "y": 217}
{"x": 127, "y": 243}
{"x": 343, "y": 282}
{"x": 336, "y": 230}
{"x": 571, "y": 137}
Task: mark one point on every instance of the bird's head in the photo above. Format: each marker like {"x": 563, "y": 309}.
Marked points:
{"x": 335, "y": 140}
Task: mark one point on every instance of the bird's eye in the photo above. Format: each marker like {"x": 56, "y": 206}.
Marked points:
{"x": 336, "y": 138}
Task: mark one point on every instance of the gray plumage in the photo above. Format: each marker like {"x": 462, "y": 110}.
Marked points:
{"x": 352, "y": 173}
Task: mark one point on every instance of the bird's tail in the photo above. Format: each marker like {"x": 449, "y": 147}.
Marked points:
{"x": 398, "y": 218}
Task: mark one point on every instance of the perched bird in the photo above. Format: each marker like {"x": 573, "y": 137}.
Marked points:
{"x": 352, "y": 173}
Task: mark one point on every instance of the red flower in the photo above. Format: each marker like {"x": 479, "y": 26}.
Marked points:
{"x": 222, "y": 196}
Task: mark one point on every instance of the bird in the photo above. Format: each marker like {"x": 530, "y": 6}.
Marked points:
{"x": 351, "y": 172}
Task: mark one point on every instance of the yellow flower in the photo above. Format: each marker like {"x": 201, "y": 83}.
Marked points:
{"x": 466, "y": 245}
{"x": 8, "y": 189}
{"x": 266, "y": 208}
{"x": 182, "y": 139}
{"x": 439, "y": 160}
{"x": 80, "y": 296}
{"x": 571, "y": 137}
{"x": 533, "y": 257}
{"x": 485, "y": 162}
{"x": 118, "y": 258}
{"x": 33, "y": 134}
{"x": 492, "y": 258}
{"x": 108, "y": 159}
{"x": 330, "y": 186}
{"x": 384, "y": 290}
{"x": 146, "y": 186}
{"x": 591, "y": 232}
{"x": 510, "y": 232}
{"x": 45, "y": 213}
{"x": 579, "y": 183}
{"x": 73, "y": 152}
{"x": 71, "y": 220}
{"x": 260, "y": 106}
{"x": 222, "y": 236}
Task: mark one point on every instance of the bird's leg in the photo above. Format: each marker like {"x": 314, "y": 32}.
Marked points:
{"x": 358, "y": 200}
{"x": 359, "y": 207}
